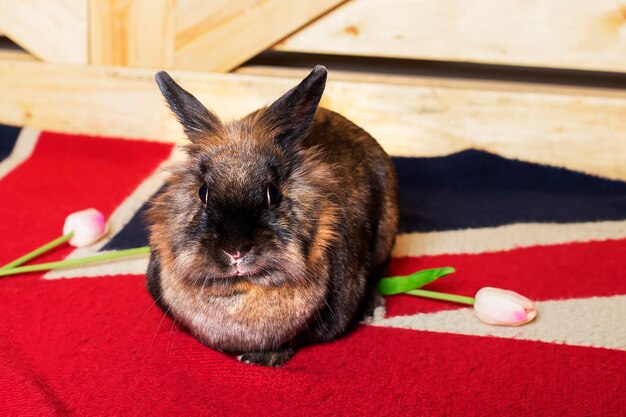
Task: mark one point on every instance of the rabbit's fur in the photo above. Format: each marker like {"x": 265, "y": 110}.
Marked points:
{"x": 274, "y": 231}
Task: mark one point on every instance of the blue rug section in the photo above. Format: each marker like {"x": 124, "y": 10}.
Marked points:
{"x": 8, "y": 138}
{"x": 473, "y": 189}
{"x": 134, "y": 234}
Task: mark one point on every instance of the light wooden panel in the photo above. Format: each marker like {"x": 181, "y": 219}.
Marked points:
{"x": 15, "y": 55}
{"x": 547, "y": 33}
{"x": 433, "y": 81}
{"x": 583, "y": 129}
{"x": 137, "y": 33}
{"x": 218, "y": 35}
{"x": 53, "y": 30}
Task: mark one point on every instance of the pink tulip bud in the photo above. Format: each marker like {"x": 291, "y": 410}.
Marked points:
{"x": 503, "y": 307}
{"x": 88, "y": 225}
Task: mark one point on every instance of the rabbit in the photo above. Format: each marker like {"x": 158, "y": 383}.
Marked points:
{"x": 274, "y": 231}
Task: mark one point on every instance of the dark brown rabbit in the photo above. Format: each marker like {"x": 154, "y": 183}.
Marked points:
{"x": 275, "y": 230}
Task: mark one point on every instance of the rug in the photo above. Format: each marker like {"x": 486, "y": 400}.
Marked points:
{"x": 90, "y": 342}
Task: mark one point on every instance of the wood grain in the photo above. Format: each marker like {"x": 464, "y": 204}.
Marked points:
{"x": 137, "y": 33}
{"x": 52, "y": 30}
{"x": 219, "y": 35}
{"x": 578, "y": 34}
{"x": 582, "y": 129}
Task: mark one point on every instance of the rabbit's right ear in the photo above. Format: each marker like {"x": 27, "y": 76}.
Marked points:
{"x": 196, "y": 119}
{"x": 291, "y": 115}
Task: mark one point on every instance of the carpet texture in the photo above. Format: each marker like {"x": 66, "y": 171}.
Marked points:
{"x": 90, "y": 341}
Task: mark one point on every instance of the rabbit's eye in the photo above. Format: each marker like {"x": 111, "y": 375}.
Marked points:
{"x": 204, "y": 193}
{"x": 272, "y": 195}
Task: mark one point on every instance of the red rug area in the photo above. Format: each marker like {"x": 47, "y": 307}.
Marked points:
{"x": 97, "y": 345}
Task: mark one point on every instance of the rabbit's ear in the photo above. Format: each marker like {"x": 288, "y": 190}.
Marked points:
{"x": 290, "y": 116}
{"x": 196, "y": 119}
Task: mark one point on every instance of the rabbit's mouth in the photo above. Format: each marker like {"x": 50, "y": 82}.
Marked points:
{"x": 241, "y": 270}
{"x": 235, "y": 276}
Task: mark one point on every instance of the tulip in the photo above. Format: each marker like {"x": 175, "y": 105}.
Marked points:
{"x": 81, "y": 228}
{"x": 491, "y": 305}
{"x": 503, "y": 307}
{"x": 86, "y": 226}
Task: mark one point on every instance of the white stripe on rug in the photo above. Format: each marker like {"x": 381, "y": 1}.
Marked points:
{"x": 22, "y": 150}
{"x": 594, "y": 322}
{"x": 493, "y": 239}
{"x": 469, "y": 241}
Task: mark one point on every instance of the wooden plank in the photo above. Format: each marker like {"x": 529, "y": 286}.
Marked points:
{"x": 10, "y": 52}
{"x": 219, "y": 35}
{"x": 430, "y": 81}
{"x": 15, "y": 55}
{"x": 52, "y": 30}
{"x": 137, "y": 33}
{"x": 578, "y": 34}
{"x": 584, "y": 132}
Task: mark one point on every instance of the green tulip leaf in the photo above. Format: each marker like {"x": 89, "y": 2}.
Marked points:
{"x": 398, "y": 285}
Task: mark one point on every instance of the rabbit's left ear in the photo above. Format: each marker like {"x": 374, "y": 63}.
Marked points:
{"x": 196, "y": 119}
{"x": 290, "y": 116}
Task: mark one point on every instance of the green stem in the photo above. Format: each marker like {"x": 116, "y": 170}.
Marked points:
{"x": 42, "y": 249}
{"x": 442, "y": 296}
{"x": 75, "y": 262}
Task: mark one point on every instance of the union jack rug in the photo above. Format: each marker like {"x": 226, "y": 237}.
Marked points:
{"x": 89, "y": 341}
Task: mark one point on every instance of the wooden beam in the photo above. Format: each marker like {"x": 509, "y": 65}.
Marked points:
{"x": 15, "y": 55}
{"x": 581, "y": 129}
{"x": 220, "y": 35}
{"x": 579, "y": 34}
{"x": 52, "y": 30}
{"x": 437, "y": 82}
{"x": 8, "y": 52}
{"x": 136, "y": 33}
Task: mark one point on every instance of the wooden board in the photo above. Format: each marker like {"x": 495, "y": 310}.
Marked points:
{"x": 579, "y": 34}
{"x": 55, "y": 31}
{"x": 11, "y": 54}
{"x": 432, "y": 81}
{"x": 583, "y": 129}
{"x": 138, "y": 33}
{"x": 216, "y": 35}
{"x": 219, "y": 35}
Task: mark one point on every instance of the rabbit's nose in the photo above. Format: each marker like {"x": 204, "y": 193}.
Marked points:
{"x": 235, "y": 255}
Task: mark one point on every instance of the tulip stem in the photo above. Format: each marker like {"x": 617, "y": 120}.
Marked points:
{"x": 40, "y": 250}
{"x": 442, "y": 296}
{"x": 75, "y": 262}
